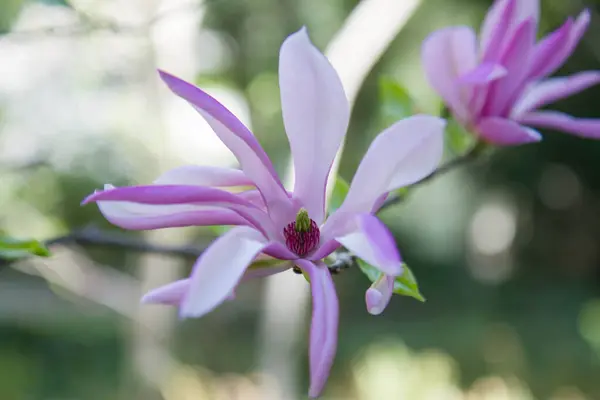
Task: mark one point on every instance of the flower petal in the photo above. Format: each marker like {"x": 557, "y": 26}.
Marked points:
{"x": 484, "y": 73}
{"x": 505, "y": 132}
{"x": 379, "y": 294}
{"x": 220, "y": 268}
{"x": 553, "y": 89}
{"x": 557, "y": 47}
{"x": 183, "y": 195}
{"x": 370, "y": 239}
{"x": 324, "y": 325}
{"x": 494, "y": 29}
{"x": 583, "y": 127}
{"x": 579, "y": 27}
{"x": 551, "y": 52}
{"x": 136, "y": 216}
{"x": 254, "y": 161}
{"x": 403, "y": 154}
{"x": 167, "y": 194}
{"x": 201, "y": 175}
{"x": 171, "y": 293}
{"x": 446, "y": 55}
{"x": 315, "y": 114}
{"x": 516, "y": 60}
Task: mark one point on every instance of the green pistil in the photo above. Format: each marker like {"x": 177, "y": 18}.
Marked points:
{"x": 302, "y": 221}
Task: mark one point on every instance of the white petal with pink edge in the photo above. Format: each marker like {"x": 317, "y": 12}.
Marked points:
{"x": 378, "y": 296}
{"x": 403, "y": 154}
{"x": 220, "y": 268}
{"x": 324, "y": 324}
{"x": 316, "y": 115}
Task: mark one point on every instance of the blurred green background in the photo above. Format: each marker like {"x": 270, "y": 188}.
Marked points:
{"x": 506, "y": 250}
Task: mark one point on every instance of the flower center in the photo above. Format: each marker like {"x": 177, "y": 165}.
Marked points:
{"x": 302, "y": 235}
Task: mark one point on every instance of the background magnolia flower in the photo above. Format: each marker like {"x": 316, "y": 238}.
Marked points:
{"x": 495, "y": 88}
{"x": 291, "y": 227}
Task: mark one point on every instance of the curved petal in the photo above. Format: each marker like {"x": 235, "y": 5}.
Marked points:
{"x": 379, "y": 294}
{"x": 550, "y": 52}
{"x": 182, "y": 195}
{"x": 201, "y": 175}
{"x": 446, "y": 55}
{"x": 324, "y": 325}
{"x": 173, "y": 293}
{"x": 315, "y": 115}
{"x": 556, "y": 48}
{"x": 220, "y": 268}
{"x": 554, "y": 89}
{"x": 527, "y": 9}
{"x": 368, "y": 238}
{"x": 254, "y": 161}
{"x": 505, "y": 132}
{"x": 483, "y": 74}
{"x": 579, "y": 27}
{"x": 135, "y": 216}
{"x": 167, "y": 194}
{"x": 404, "y": 153}
{"x": 494, "y": 29}
{"x": 584, "y": 127}
{"x": 516, "y": 60}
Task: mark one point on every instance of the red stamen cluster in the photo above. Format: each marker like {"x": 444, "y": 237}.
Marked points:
{"x": 302, "y": 243}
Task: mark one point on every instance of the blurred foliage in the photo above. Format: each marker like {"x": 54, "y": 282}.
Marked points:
{"x": 338, "y": 194}
{"x": 405, "y": 284}
{"x": 458, "y": 139}
{"x": 396, "y": 102}
{"x": 14, "y": 249}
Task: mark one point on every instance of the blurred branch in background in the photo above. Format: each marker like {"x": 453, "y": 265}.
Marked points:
{"x": 471, "y": 156}
{"x": 94, "y": 236}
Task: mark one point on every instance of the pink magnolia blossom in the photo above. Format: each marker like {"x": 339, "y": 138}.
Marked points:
{"x": 495, "y": 87}
{"x": 269, "y": 220}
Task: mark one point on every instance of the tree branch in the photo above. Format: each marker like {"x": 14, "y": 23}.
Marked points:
{"x": 93, "y": 236}
{"x": 466, "y": 158}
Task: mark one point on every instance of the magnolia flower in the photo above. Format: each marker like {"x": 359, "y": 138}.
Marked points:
{"x": 496, "y": 88}
{"x": 268, "y": 220}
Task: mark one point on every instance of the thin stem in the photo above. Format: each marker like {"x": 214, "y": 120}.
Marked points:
{"x": 92, "y": 236}
{"x": 466, "y": 158}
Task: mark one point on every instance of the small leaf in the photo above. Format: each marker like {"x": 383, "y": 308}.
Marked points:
{"x": 396, "y": 101}
{"x": 14, "y": 249}
{"x": 266, "y": 263}
{"x": 219, "y": 230}
{"x": 340, "y": 190}
{"x": 405, "y": 285}
{"x": 459, "y": 139}
{"x": 370, "y": 271}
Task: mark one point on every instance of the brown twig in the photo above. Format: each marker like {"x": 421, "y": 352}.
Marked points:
{"x": 466, "y": 158}
{"x": 93, "y": 236}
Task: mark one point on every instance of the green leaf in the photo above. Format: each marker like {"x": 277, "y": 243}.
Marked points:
{"x": 370, "y": 271}
{"x": 405, "y": 284}
{"x": 219, "y": 230}
{"x": 14, "y": 249}
{"x": 458, "y": 138}
{"x": 396, "y": 101}
{"x": 340, "y": 190}
{"x": 266, "y": 263}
